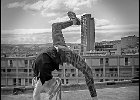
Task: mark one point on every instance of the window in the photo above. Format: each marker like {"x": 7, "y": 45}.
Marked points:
{"x": 67, "y": 74}
{"x": 30, "y": 70}
{"x": 2, "y": 70}
{"x": 19, "y": 81}
{"x": 97, "y": 75}
{"x": 97, "y": 70}
{"x": 11, "y": 63}
{"x": 115, "y": 75}
{"x": 60, "y": 70}
{"x": 116, "y": 69}
{"x": 111, "y": 75}
{"x": 101, "y": 60}
{"x": 72, "y": 70}
{"x": 106, "y": 60}
{"x": 26, "y": 80}
{"x": 106, "y": 79}
{"x": 101, "y": 69}
{"x": 101, "y": 80}
{"x": 66, "y": 70}
{"x": 26, "y": 61}
{"x": 25, "y": 70}
{"x": 14, "y": 81}
{"x": 101, "y": 75}
{"x": 30, "y": 80}
{"x": 137, "y": 69}
{"x": 73, "y": 75}
{"x": 8, "y": 70}
{"x": 62, "y": 80}
{"x": 126, "y": 61}
{"x": 67, "y": 81}
{"x": 111, "y": 69}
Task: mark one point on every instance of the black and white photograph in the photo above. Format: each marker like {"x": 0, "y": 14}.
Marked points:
{"x": 69, "y": 49}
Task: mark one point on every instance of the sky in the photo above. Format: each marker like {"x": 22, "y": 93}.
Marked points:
{"x": 29, "y": 21}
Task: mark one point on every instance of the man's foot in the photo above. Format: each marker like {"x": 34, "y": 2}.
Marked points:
{"x": 72, "y": 16}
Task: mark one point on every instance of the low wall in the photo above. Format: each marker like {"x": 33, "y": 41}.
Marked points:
{"x": 72, "y": 87}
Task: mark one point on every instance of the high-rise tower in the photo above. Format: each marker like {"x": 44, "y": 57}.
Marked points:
{"x": 87, "y": 33}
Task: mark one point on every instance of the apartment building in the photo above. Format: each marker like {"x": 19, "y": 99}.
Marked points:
{"x": 18, "y": 71}
{"x": 87, "y": 33}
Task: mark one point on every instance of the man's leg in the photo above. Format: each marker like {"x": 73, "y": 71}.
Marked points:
{"x": 51, "y": 88}
{"x": 45, "y": 87}
{"x": 68, "y": 56}
{"x": 57, "y": 35}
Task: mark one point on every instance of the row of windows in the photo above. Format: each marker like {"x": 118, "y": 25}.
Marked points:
{"x": 70, "y": 70}
{"x": 107, "y": 61}
{"x": 109, "y": 69}
{"x": 19, "y": 81}
{"x": 11, "y": 62}
{"x": 126, "y": 61}
{"x": 70, "y": 75}
{"x": 14, "y": 70}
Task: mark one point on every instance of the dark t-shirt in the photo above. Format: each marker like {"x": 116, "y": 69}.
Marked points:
{"x": 45, "y": 63}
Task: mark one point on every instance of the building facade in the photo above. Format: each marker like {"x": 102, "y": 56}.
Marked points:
{"x": 130, "y": 45}
{"x": 87, "y": 33}
{"x": 129, "y": 42}
{"x": 18, "y": 71}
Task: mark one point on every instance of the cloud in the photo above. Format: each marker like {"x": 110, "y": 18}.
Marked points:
{"x": 101, "y": 26}
{"x": 26, "y": 36}
{"x": 103, "y": 31}
{"x": 115, "y": 32}
{"x": 60, "y": 7}
{"x": 16, "y": 4}
{"x": 49, "y": 8}
{"x": 101, "y": 22}
{"x": 25, "y": 31}
{"x": 118, "y": 28}
{"x": 34, "y": 7}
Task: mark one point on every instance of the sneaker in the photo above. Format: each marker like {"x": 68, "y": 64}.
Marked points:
{"x": 72, "y": 16}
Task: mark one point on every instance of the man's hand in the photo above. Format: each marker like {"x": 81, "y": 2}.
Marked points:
{"x": 34, "y": 80}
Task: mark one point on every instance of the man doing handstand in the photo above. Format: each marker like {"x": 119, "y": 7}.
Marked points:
{"x": 56, "y": 55}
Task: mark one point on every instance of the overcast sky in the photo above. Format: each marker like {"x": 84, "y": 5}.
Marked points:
{"x": 29, "y": 21}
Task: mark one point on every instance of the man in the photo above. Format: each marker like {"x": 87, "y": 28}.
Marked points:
{"x": 59, "y": 53}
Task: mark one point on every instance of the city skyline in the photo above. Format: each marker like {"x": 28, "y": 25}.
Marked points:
{"x": 29, "y": 22}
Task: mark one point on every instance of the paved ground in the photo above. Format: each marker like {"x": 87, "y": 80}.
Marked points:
{"x": 122, "y": 93}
